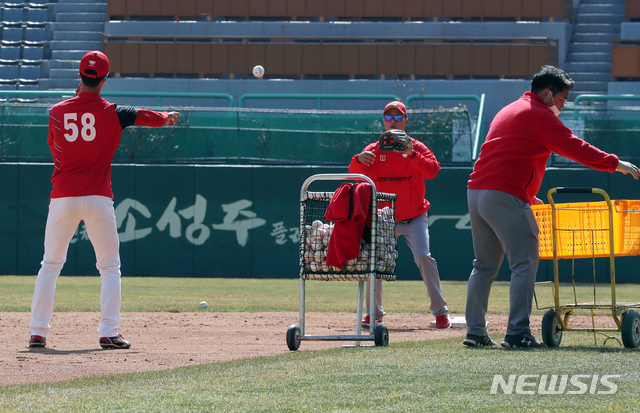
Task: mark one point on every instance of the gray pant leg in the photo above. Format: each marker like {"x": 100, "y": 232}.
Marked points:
{"x": 416, "y": 233}
{"x": 489, "y": 254}
{"x": 501, "y": 224}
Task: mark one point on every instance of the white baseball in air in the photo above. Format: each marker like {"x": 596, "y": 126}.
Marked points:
{"x": 258, "y": 71}
{"x": 203, "y": 304}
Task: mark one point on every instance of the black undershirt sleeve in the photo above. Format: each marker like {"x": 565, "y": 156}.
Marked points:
{"x": 127, "y": 115}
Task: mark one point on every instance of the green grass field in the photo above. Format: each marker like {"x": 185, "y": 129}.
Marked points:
{"x": 438, "y": 375}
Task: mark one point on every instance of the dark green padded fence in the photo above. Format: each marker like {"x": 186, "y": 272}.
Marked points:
{"x": 245, "y": 140}
{"x": 243, "y": 221}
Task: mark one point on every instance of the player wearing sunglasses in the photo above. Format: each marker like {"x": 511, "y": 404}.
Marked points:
{"x": 403, "y": 173}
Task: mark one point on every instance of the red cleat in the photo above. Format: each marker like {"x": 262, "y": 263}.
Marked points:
{"x": 37, "y": 341}
{"x": 442, "y": 322}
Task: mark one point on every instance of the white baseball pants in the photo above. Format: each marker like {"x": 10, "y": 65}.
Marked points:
{"x": 99, "y": 218}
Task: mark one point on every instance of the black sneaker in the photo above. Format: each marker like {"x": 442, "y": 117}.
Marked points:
{"x": 521, "y": 341}
{"x": 114, "y": 342}
{"x": 473, "y": 340}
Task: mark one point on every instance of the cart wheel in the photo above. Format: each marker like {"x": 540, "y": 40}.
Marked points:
{"x": 381, "y": 335}
{"x": 630, "y": 329}
{"x": 551, "y": 331}
{"x": 293, "y": 337}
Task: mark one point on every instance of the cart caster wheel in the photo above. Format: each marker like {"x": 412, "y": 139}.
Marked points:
{"x": 381, "y": 335}
{"x": 293, "y": 337}
{"x": 551, "y": 331}
{"x": 630, "y": 329}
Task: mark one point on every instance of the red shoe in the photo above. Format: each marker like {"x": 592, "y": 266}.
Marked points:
{"x": 442, "y": 322}
{"x": 37, "y": 341}
{"x": 366, "y": 322}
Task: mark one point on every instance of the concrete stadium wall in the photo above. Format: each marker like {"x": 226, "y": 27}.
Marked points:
{"x": 623, "y": 88}
{"x": 243, "y": 221}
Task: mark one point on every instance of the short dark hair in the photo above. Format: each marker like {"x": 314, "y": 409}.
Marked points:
{"x": 552, "y": 78}
{"x": 91, "y": 81}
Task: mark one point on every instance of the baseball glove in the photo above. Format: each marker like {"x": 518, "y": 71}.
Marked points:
{"x": 395, "y": 140}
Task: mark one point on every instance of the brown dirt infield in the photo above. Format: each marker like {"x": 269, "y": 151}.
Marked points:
{"x": 161, "y": 341}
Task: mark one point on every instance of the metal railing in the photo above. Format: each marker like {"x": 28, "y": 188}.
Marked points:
{"x": 585, "y": 98}
{"x": 8, "y": 95}
{"x": 319, "y": 97}
{"x": 478, "y": 130}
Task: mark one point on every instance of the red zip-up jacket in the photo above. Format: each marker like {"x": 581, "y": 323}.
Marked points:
{"x": 394, "y": 173}
{"x": 520, "y": 140}
{"x": 84, "y": 132}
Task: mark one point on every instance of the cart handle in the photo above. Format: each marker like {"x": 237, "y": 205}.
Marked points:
{"x": 354, "y": 177}
{"x": 575, "y": 190}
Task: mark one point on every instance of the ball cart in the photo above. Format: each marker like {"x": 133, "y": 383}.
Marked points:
{"x": 588, "y": 230}
{"x": 376, "y": 259}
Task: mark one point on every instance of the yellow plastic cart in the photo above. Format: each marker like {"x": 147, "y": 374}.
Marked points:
{"x": 606, "y": 228}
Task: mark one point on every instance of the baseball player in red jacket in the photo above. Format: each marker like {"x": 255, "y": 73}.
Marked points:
{"x": 84, "y": 132}
{"x": 503, "y": 186}
{"x": 403, "y": 174}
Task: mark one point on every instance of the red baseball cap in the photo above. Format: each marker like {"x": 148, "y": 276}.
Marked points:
{"x": 396, "y": 104}
{"x": 94, "y": 64}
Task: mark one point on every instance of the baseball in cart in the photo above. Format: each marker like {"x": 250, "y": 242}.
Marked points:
{"x": 372, "y": 251}
{"x": 588, "y": 230}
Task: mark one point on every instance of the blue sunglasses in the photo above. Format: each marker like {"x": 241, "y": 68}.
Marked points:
{"x": 397, "y": 118}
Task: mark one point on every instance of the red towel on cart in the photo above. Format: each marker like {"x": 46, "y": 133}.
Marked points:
{"x": 350, "y": 210}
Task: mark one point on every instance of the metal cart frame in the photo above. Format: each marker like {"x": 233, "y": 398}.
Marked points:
{"x": 378, "y": 333}
{"x": 556, "y": 319}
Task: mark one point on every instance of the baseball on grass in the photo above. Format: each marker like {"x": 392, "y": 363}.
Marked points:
{"x": 258, "y": 71}
{"x": 203, "y": 304}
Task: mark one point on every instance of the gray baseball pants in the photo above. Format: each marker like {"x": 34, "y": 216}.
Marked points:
{"x": 416, "y": 233}
{"x": 501, "y": 224}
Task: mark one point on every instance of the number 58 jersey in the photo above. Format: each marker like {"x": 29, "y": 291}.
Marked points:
{"x": 84, "y": 133}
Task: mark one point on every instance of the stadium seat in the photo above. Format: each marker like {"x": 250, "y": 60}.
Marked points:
{"x": 4, "y": 86}
{"x": 38, "y": 3}
{"x": 29, "y": 86}
{"x": 35, "y": 34}
{"x": 12, "y": 15}
{"x": 12, "y": 35}
{"x": 8, "y": 74}
{"x": 625, "y": 59}
{"x": 10, "y": 55}
{"x": 29, "y": 75}
{"x": 32, "y": 54}
{"x": 36, "y": 17}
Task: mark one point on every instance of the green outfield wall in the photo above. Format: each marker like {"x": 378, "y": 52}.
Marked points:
{"x": 242, "y": 221}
